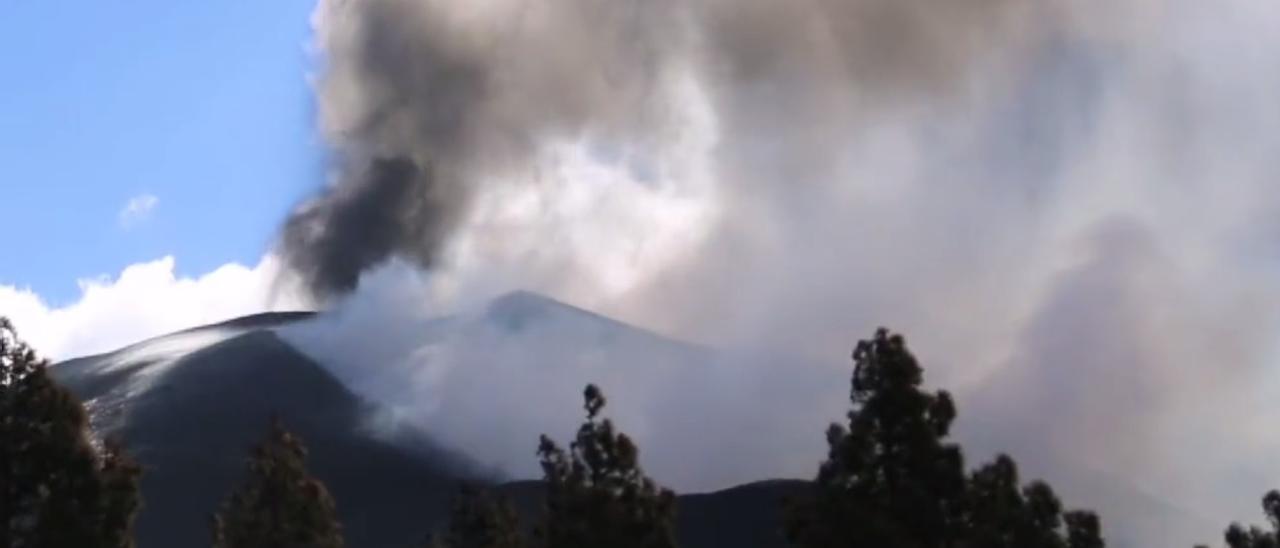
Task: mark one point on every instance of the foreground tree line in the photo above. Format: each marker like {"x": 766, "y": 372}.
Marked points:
{"x": 890, "y": 478}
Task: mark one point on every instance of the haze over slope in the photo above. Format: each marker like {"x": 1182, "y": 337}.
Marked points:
{"x": 706, "y": 419}
{"x": 468, "y": 402}
{"x": 487, "y": 380}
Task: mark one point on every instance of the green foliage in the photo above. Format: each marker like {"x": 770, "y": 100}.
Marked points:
{"x": 56, "y": 488}
{"x": 479, "y": 520}
{"x": 280, "y": 505}
{"x": 892, "y": 479}
{"x": 597, "y": 494}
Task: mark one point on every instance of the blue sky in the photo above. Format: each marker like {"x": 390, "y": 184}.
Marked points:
{"x": 203, "y": 105}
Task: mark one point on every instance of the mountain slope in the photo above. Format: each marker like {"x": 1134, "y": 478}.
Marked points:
{"x": 487, "y": 382}
{"x": 398, "y": 410}
{"x": 189, "y": 405}
{"x": 747, "y": 516}
{"x": 191, "y": 418}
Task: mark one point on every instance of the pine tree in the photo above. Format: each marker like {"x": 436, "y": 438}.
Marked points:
{"x": 597, "y": 494}
{"x": 280, "y": 505}
{"x": 56, "y": 488}
{"x": 1002, "y": 514}
{"x": 480, "y": 520}
{"x": 889, "y": 478}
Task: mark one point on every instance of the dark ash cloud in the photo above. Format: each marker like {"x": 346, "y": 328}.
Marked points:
{"x": 426, "y": 103}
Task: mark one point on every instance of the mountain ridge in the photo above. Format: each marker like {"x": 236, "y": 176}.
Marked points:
{"x": 190, "y": 404}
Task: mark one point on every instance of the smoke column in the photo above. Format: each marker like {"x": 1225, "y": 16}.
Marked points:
{"x": 1069, "y": 208}
{"x": 426, "y": 103}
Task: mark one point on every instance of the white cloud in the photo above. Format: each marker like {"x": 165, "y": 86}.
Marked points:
{"x": 138, "y": 209}
{"x": 145, "y": 300}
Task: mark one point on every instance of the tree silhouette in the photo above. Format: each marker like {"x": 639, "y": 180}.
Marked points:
{"x": 56, "y": 488}
{"x": 1002, "y": 514}
{"x": 892, "y": 479}
{"x": 1237, "y": 536}
{"x": 889, "y": 478}
{"x": 597, "y": 494}
{"x": 480, "y": 520}
{"x": 280, "y": 505}
{"x": 1084, "y": 529}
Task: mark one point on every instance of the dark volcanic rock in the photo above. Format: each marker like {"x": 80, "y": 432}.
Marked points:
{"x": 192, "y": 422}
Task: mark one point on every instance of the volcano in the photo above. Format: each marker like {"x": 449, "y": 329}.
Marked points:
{"x": 189, "y": 405}
{"x": 398, "y": 414}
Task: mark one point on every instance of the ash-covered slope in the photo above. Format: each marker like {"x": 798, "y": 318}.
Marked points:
{"x": 190, "y": 405}
{"x": 488, "y": 381}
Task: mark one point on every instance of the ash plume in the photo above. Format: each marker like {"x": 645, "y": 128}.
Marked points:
{"x": 426, "y": 102}
{"x": 332, "y": 241}
{"x": 1068, "y": 207}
